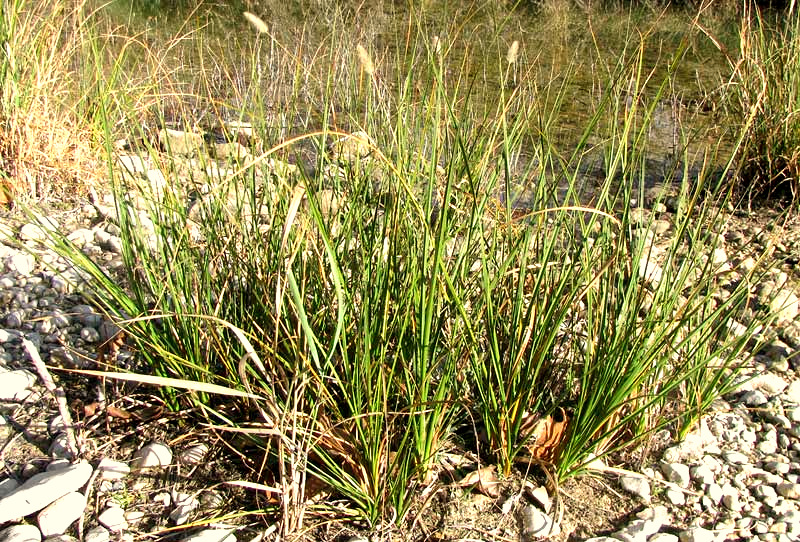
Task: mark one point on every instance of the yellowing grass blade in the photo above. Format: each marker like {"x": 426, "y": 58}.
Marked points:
{"x": 165, "y": 381}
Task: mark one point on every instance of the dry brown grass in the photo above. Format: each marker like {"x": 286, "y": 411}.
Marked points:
{"x": 45, "y": 146}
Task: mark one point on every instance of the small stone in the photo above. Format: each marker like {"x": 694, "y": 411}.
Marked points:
{"x": 768, "y": 383}
{"x": 663, "y": 537}
{"x": 714, "y": 492}
{"x": 7, "y": 486}
{"x": 636, "y": 485}
{"x": 113, "y": 518}
{"x": 638, "y": 530}
{"x": 702, "y": 475}
{"x": 764, "y": 491}
{"x": 193, "y": 455}
{"x": 151, "y": 456}
{"x": 788, "y": 490}
{"x": 211, "y": 499}
{"x": 675, "y": 497}
{"x": 9, "y": 336}
{"x": 16, "y": 385}
{"x": 735, "y": 458}
{"x": 90, "y": 335}
{"x": 184, "y": 506}
{"x": 14, "y": 319}
{"x": 677, "y": 473}
{"x": 61, "y": 513}
{"x": 87, "y": 316}
{"x": 97, "y": 534}
{"x": 40, "y": 230}
{"x": 21, "y": 263}
{"x": 60, "y": 447}
{"x": 20, "y": 533}
{"x": 697, "y": 534}
{"x": 754, "y": 398}
{"x": 536, "y": 523}
{"x": 112, "y": 470}
{"x": 81, "y": 237}
{"x": 41, "y": 490}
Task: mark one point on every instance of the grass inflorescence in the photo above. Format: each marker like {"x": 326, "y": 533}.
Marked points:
{"x": 436, "y": 273}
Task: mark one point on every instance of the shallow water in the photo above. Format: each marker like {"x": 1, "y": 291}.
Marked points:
{"x": 559, "y": 45}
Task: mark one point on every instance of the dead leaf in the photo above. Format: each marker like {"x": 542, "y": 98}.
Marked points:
{"x": 90, "y": 409}
{"x": 484, "y": 480}
{"x": 120, "y": 413}
{"x": 547, "y": 436}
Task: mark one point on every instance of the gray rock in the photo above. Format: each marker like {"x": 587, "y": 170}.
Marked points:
{"x": 87, "y": 316}
{"x": 66, "y": 357}
{"x": 20, "y": 533}
{"x": 113, "y": 518}
{"x": 677, "y": 473}
{"x": 97, "y": 534}
{"x": 16, "y": 385}
{"x": 41, "y": 490}
{"x": 193, "y": 455}
{"x": 61, "y": 513}
{"x": 768, "y": 383}
{"x": 81, "y": 237}
{"x": 14, "y": 319}
{"x": 784, "y": 304}
{"x": 90, "y": 335}
{"x": 21, "y": 263}
{"x": 9, "y": 336}
{"x": 788, "y": 490}
{"x": 638, "y": 530}
{"x": 663, "y": 537}
{"x": 702, "y": 475}
{"x": 678, "y": 498}
{"x": 536, "y": 523}
{"x": 184, "y": 505}
{"x": 735, "y": 458}
{"x": 714, "y": 492}
{"x": 112, "y": 470}
{"x": 636, "y": 485}
{"x": 697, "y": 534}
{"x": 113, "y": 244}
{"x": 754, "y": 398}
{"x": 151, "y": 456}
{"x": 777, "y": 467}
{"x": 59, "y": 447}
{"x": 792, "y": 392}
{"x": 212, "y": 535}
{"x": 764, "y": 491}
{"x": 7, "y": 485}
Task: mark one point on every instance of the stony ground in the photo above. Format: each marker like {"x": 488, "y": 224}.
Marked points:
{"x": 124, "y": 467}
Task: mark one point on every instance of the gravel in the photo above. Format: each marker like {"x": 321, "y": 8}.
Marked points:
{"x": 737, "y": 475}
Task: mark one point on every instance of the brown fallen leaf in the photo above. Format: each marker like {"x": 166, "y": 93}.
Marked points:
{"x": 547, "y": 435}
{"x": 120, "y": 413}
{"x": 90, "y": 409}
{"x": 484, "y": 480}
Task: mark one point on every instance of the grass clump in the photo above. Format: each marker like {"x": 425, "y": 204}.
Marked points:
{"x": 453, "y": 282}
{"x": 764, "y": 92}
{"x": 46, "y": 145}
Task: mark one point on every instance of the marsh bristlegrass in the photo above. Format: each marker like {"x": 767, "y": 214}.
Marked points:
{"x": 513, "y": 52}
{"x": 257, "y": 22}
{"x": 365, "y": 60}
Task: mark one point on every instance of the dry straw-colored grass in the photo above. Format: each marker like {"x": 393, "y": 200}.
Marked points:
{"x": 46, "y": 146}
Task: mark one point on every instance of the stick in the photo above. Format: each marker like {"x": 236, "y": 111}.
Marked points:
{"x": 58, "y": 393}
